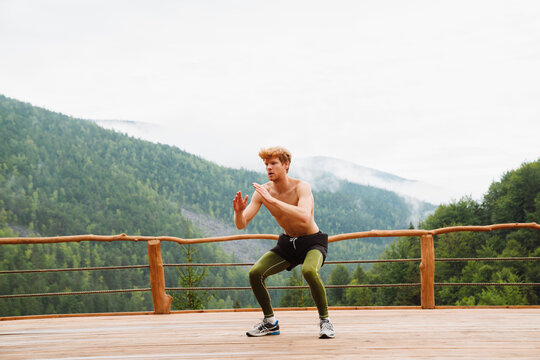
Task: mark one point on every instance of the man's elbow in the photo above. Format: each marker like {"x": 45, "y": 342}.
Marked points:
{"x": 240, "y": 227}
{"x": 240, "y": 224}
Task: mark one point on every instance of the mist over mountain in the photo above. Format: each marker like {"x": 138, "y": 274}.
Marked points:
{"x": 335, "y": 175}
{"x": 326, "y": 173}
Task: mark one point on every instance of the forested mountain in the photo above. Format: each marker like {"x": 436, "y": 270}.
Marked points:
{"x": 65, "y": 176}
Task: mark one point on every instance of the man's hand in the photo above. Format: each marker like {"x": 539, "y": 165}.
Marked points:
{"x": 243, "y": 213}
{"x": 264, "y": 193}
{"x": 239, "y": 204}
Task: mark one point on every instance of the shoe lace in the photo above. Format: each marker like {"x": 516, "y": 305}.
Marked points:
{"x": 261, "y": 325}
{"x": 326, "y": 325}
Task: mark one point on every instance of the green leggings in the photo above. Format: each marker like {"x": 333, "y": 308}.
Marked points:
{"x": 271, "y": 263}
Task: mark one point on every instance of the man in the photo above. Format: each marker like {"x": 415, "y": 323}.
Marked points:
{"x": 291, "y": 203}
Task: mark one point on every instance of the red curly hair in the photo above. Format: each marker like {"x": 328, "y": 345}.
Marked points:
{"x": 281, "y": 153}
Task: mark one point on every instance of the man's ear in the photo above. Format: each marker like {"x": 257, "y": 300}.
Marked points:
{"x": 286, "y": 165}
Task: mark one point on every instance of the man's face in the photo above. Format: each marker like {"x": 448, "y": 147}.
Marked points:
{"x": 275, "y": 168}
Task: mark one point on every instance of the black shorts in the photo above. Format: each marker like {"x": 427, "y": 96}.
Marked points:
{"x": 294, "y": 250}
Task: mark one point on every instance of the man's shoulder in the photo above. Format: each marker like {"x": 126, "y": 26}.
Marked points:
{"x": 267, "y": 185}
{"x": 301, "y": 185}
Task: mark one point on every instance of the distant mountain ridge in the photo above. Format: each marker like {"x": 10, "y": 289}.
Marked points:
{"x": 327, "y": 173}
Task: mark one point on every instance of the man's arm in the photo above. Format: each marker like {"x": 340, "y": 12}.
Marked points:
{"x": 244, "y": 213}
{"x": 302, "y": 212}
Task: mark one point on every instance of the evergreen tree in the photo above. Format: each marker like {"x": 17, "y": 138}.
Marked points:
{"x": 359, "y": 296}
{"x": 339, "y": 276}
{"x": 296, "y": 298}
{"x": 190, "y": 277}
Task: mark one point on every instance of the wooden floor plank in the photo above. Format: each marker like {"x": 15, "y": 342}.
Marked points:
{"x": 366, "y": 334}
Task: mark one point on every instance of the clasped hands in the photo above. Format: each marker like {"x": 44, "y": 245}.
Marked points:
{"x": 239, "y": 203}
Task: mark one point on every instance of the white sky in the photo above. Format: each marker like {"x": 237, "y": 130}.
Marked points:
{"x": 446, "y": 92}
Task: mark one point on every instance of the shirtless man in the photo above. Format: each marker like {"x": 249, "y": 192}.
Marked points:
{"x": 291, "y": 203}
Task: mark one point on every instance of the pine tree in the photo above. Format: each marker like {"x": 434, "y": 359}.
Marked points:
{"x": 189, "y": 278}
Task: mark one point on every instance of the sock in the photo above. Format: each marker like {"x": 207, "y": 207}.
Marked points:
{"x": 272, "y": 320}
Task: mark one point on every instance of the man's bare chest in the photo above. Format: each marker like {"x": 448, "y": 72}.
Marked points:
{"x": 290, "y": 197}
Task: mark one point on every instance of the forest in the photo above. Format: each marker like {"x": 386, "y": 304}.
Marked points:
{"x": 65, "y": 176}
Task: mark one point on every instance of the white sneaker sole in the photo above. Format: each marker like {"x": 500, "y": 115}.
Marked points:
{"x": 268, "y": 333}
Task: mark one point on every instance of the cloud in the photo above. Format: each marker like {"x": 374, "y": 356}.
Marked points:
{"x": 428, "y": 90}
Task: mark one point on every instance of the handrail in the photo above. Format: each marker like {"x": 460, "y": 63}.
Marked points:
{"x": 396, "y": 233}
{"x": 162, "y": 301}
{"x": 124, "y": 237}
{"x": 333, "y": 238}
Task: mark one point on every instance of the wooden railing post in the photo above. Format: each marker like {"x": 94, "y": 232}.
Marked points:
{"x": 427, "y": 272}
{"x": 162, "y": 301}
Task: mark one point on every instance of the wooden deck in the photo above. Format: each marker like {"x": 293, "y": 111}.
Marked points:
{"x": 360, "y": 334}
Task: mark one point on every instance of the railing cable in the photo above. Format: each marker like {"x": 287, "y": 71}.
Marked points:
{"x": 74, "y": 269}
{"x": 487, "y": 284}
{"x": 490, "y": 259}
{"x": 326, "y": 262}
{"x": 73, "y": 293}
{"x": 233, "y": 288}
{"x": 251, "y": 264}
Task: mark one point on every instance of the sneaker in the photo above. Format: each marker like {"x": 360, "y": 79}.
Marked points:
{"x": 327, "y": 330}
{"x": 264, "y": 328}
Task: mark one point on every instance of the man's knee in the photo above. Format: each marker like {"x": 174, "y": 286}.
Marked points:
{"x": 309, "y": 272}
{"x": 255, "y": 273}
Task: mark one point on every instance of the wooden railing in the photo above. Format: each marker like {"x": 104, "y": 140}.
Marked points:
{"x": 162, "y": 301}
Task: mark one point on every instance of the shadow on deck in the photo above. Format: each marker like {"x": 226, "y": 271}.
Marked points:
{"x": 360, "y": 334}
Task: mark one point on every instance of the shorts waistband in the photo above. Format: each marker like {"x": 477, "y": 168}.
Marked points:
{"x": 302, "y": 236}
